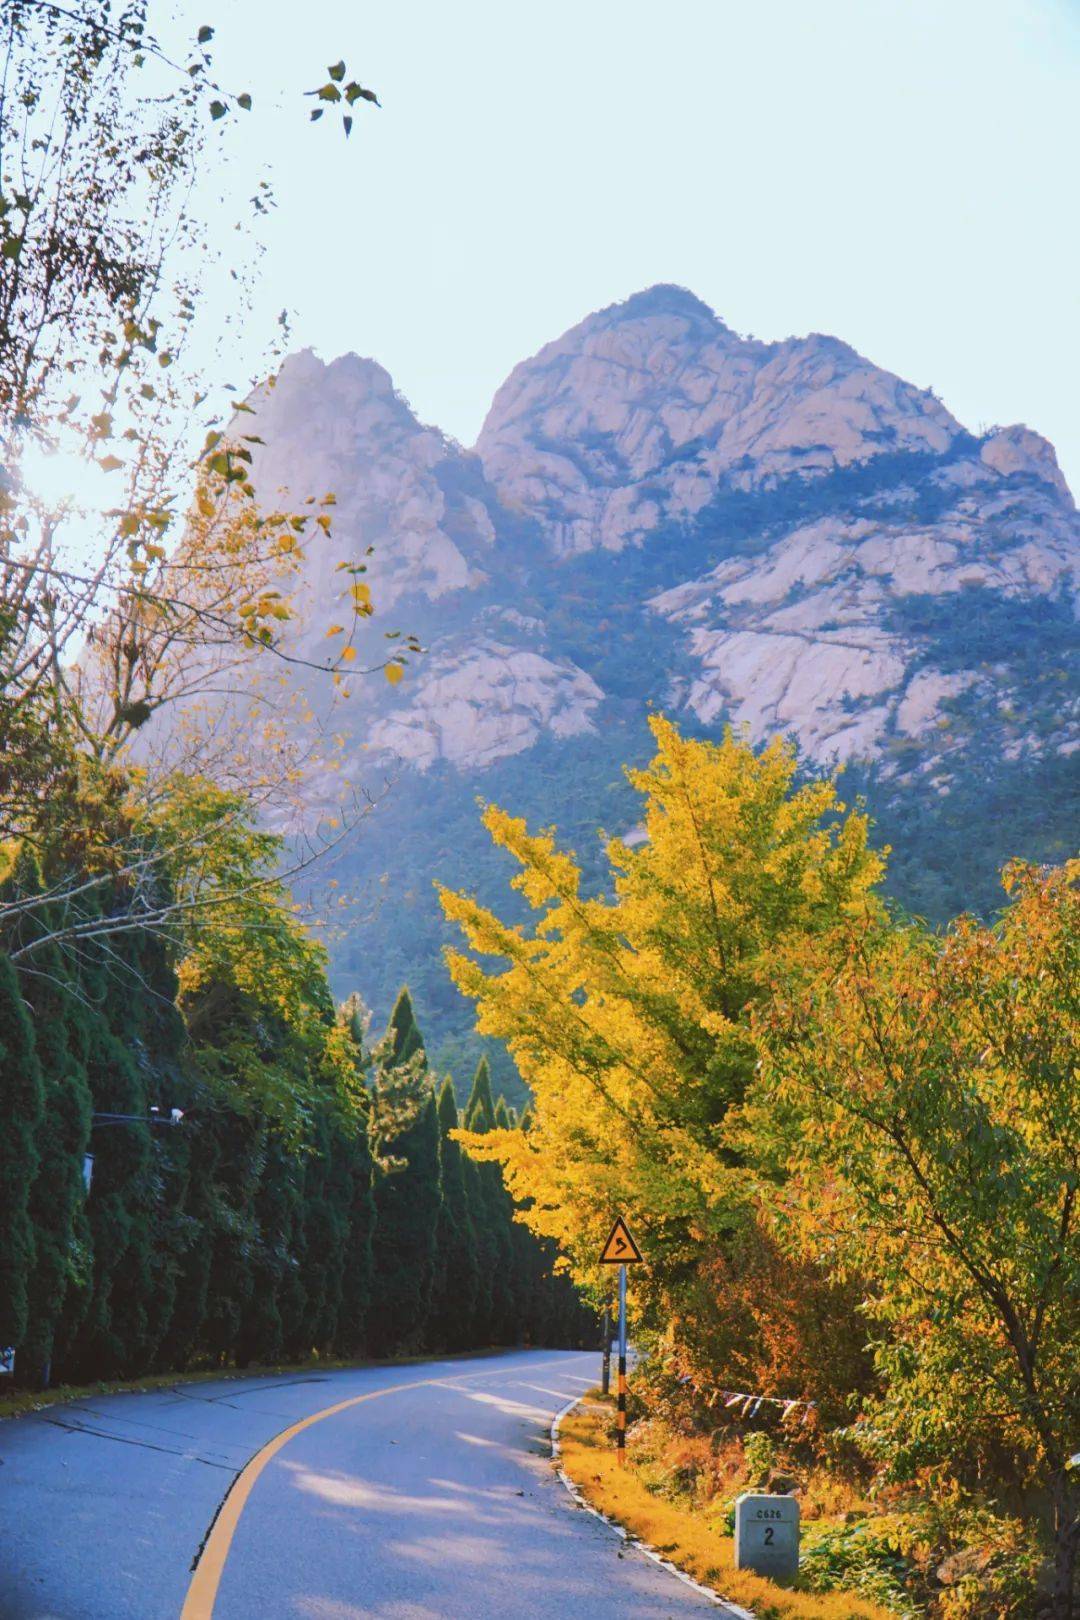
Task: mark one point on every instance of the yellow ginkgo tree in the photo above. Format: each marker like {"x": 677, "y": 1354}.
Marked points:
{"x": 628, "y": 1013}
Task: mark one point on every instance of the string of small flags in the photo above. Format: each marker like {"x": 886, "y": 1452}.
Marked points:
{"x": 744, "y": 1404}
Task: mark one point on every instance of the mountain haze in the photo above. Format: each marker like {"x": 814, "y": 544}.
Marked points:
{"x": 659, "y": 512}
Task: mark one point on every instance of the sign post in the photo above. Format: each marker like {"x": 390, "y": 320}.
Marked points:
{"x": 621, "y": 1250}
{"x": 605, "y": 1364}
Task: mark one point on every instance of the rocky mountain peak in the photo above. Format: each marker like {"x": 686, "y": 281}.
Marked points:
{"x": 401, "y": 487}
{"x": 665, "y": 298}
{"x": 1016, "y": 449}
{"x": 632, "y": 420}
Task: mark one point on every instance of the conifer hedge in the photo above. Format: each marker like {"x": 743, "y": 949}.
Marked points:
{"x": 346, "y": 1228}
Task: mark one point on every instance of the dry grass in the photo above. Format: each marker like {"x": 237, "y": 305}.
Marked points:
{"x": 684, "y": 1536}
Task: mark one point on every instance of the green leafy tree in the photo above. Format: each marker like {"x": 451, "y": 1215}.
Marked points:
{"x": 921, "y": 1095}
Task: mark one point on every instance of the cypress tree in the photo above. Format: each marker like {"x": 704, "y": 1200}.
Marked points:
{"x": 57, "y": 1195}
{"x": 324, "y": 1233}
{"x": 457, "y": 1275}
{"x": 114, "y": 1336}
{"x": 403, "y": 1033}
{"x": 407, "y": 1202}
{"x": 480, "y": 1108}
{"x": 201, "y": 1209}
{"x": 352, "y": 1147}
{"x": 125, "y": 1076}
{"x": 234, "y": 1234}
{"x": 21, "y": 1103}
{"x": 493, "y": 1215}
{"x": 357, "y": 1260}
{"x": 407, "y": 1198}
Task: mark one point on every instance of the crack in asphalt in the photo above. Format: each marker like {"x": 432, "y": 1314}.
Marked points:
{"x": 253, "y": 1389}
{"x": 145, "y": 1445}
{"x": 134, "y": 1423}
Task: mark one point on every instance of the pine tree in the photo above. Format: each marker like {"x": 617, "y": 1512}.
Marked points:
{"x": 457, "y": 1276}
{"x": 21, "y": 1103}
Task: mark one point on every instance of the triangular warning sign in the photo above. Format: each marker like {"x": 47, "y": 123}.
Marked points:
{"x": 620, "y": 1248}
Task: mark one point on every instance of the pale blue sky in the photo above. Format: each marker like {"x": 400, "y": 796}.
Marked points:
{"x": 901, "y": 173}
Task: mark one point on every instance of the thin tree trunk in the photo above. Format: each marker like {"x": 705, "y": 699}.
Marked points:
{"x": 1066, "y": 1525}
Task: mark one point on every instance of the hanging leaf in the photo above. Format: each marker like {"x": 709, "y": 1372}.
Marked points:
{"x": 394, "y": 672}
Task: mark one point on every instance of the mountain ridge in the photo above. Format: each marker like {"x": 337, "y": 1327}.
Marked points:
{"x": 659, "y": 512}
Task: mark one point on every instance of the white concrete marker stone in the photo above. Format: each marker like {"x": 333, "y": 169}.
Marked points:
{"x": 767, "y": 1536}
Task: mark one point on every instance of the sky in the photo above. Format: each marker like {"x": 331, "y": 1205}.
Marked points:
{"x": 901, "y": 175}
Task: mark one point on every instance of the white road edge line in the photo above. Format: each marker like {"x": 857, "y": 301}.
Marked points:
{"x": 623, "y": 1534}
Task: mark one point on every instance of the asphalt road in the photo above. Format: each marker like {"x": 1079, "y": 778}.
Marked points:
{"x": 429, "y": 1495}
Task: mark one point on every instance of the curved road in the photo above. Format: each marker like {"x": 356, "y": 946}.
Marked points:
{"x": 426, "y": 1493}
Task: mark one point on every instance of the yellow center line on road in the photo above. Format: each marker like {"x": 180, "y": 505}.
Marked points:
{"x": 202, "y": 1593}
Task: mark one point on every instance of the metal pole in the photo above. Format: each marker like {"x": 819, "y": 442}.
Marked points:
{"x": 605, "y": 1366}
{"x": 620, "y": 1416}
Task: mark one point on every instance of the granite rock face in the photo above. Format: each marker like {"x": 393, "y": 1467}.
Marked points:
{"x": 633, "y": 418}
{"x": 794, "y": 518}
{"x": 343, "y": 428}
{"x": 484, "y": 701}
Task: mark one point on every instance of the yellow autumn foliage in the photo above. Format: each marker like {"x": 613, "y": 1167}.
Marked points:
{"x": 628, "y": 1013}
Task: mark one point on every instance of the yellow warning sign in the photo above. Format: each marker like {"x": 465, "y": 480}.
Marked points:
{"x": 620, "y": 1248}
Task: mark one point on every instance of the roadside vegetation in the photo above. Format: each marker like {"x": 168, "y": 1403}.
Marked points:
{"x": 848, "y": 1145}
{"x": 655, "y": 1501}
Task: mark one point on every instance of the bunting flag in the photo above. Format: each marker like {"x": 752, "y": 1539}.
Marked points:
{"x": 748, "y": 1402}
